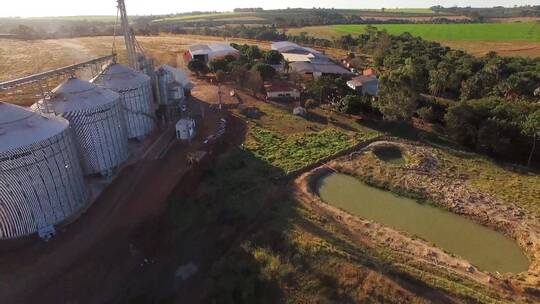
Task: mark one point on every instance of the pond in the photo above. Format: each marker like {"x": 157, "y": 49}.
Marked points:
{"x": 390, "y": 155}
{"x": 486, "y": 248}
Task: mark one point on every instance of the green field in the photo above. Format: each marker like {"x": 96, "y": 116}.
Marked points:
{"x": 455, "y": 32}
{"x": 200, "y": 16}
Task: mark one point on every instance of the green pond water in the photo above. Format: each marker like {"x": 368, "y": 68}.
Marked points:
{"x": 486, "y": 248}
{"x": 390, "y": 155}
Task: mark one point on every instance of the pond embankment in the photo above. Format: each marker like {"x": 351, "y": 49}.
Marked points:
{"x": 420, "y": 176}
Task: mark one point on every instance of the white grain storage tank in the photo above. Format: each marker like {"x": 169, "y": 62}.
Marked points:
{"x": 96, "y": 117}
{"x": 41, "y": 181}
{"x": 135, "y": 95}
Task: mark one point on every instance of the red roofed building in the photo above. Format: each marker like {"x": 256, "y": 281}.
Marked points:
{"x": 369, "y": 72}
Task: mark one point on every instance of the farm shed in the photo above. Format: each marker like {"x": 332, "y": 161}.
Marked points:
{"x": 316, "y": 70}
{"x": 280, "y": 89}
{"x": 208, "y": 52}
{"x": 292, "y": 52}
{"x": 365, "y": 85}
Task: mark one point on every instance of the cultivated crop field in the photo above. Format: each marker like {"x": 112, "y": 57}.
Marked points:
{"x": 455, "y": 32}
{"x": 507, "y": 39}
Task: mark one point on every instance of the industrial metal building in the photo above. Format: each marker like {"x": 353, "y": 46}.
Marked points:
{"x": 96, "y": 117}
{"x": 41, "y": 180}
{"x": 209, "y": 52}
{"x": 135, "y": 95}
{"x": 173, "y": 86}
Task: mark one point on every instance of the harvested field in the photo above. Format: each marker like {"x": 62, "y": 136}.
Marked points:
{"x": 503, "y": 48}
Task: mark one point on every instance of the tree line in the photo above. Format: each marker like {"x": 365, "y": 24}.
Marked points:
{"x": 490, "y": 104}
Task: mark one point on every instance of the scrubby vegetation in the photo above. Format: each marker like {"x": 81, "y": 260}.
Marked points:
{"x": 294, "y": 152}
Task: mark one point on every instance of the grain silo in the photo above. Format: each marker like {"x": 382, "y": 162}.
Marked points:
{"x": 173, "y": 86}
{"x": 41, "y": 181}
{"x": 135, "y": 95}
{"x": 95, "y": 115}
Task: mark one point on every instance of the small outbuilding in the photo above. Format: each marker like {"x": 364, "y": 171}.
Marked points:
{"x": 185, "y": 129}
{"x": 365, "y": 85}
{"x": 281, "y": 90}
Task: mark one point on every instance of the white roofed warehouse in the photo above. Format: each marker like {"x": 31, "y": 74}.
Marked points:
{"x": 41, "y": 180}
{"x": 135, "y": 96}
{"x": 96, "y": 117}
{"x": 209, "y": 52}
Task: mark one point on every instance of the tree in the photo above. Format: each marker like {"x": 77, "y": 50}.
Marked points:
{"x": 396, "y": 101}
{"x": 266, "y": 71}
{"x": 198, "y": 67}
{"x": 531, "y": 128}
{"x": 427, "y": 114}
{"x": 25, "y": 32}
{"x": 240, "y": 74}
{"x": 254, "y": 82}
{"x": 251, "y": 52}
{"x": 220, "y": 76}
{"x": 462, "y": 123}
{"x": 438, "y": 81}
{"x": 311, "y": 104}
{"x": 273, "y": 57}
{"x": 218, "y": 65}
{"x": 355, "y": 104}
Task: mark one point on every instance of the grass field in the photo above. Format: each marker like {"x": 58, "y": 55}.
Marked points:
{"x": 507, "y": 39}
{"x": 228, "y": 16}
{"x": 457, "y": 32}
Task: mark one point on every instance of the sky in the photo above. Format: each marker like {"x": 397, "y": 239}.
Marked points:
{"x": 39, "y": 8}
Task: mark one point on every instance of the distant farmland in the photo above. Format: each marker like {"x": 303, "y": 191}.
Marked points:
{"x": 529, "y": 31}
{"x": 456, "y": 32}
{"x": 507, "y": 39}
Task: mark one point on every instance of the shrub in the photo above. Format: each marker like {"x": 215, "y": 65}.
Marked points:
{"x": 427, "y": 114}
{"x": 311, "y": 104}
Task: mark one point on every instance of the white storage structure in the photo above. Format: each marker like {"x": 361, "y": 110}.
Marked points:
{"x": 41, "y": 180}
{"x": 173, "y": 85}
{"x": 96, "y": 117}
{"x": 185, "y": 129}
{"x": 135, "y": 95}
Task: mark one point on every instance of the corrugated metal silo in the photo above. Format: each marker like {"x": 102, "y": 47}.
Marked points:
{"x": 96, "y": 117}
{"x": 41, "y": 181}
{"x": 173, "y": 84}
{"x": 135, "y": 95}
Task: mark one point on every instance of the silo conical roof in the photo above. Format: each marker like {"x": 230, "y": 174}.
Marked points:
{"x": 75, "y": 95}
{"x": 20, "y": 127}
{"x": 120, "y": 77}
